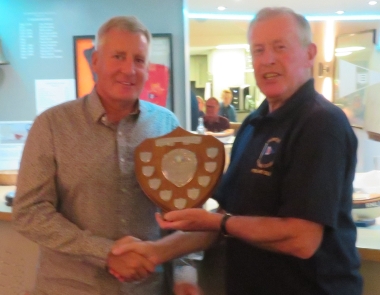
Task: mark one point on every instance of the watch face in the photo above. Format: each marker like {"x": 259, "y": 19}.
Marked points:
{"x": 179, "y": 170}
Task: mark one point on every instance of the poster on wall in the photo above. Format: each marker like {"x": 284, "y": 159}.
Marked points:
{"x": 159, "y": 87}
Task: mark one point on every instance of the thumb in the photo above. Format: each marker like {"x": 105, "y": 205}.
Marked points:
{"x": 119, "y": 249}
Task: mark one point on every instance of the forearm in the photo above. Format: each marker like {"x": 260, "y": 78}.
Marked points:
{"x": 292, "y": 236}
{"x": 181, "y": 243}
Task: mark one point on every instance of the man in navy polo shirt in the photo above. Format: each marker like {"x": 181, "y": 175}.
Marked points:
{"x": 288, "y": 189}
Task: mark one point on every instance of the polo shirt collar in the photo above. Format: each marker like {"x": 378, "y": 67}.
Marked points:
{"x": 298, "y": 98}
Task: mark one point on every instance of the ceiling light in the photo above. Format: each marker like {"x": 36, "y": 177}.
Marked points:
{"x": 372, "y": 2}
{"x": 221, "y": 8}
{"x": 340, "y": 12}
{"x": 308, "y": 17}
{"x": 349, "y": 49}
{"x": 343, "y": 53}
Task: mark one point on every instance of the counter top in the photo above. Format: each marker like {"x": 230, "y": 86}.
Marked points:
{"x": 368, "y": 242}
{"x": 5, "y": 211}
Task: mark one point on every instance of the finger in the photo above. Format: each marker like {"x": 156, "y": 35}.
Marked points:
{"x": 141, "y": 273}
{"x": 126, "y": 240}
{"x": 169, "y": 219}
{"x": 128, "y": 276}
{"x": 164, "y": 224}
{"x": 137, "y": 264}
{"x": 119, "y": 277}
{"x": 118, "y": 249}
{"x": 177, "y": 215}
{"x": 137, "y": 271}
{"x": 146, "y": 265}
{"x": 185, "y": 214}
{"x": 159, "y": 217}
{"x": 169, "y": 224}
{"x": 131, "y": 275}
{"x": 183, "y": 224}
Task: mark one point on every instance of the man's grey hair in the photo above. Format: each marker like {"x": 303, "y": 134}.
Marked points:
{"x": 304, "y": 29}
{"x": 124, "y": 23}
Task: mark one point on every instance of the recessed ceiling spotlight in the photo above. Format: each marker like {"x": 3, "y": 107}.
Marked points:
{"x": 221, "y": 8}
{"x": 372, "y": 2}
{"x": 340, "y": 12}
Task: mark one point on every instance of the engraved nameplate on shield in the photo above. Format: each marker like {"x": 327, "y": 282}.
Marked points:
{"x": 179, "y": 170}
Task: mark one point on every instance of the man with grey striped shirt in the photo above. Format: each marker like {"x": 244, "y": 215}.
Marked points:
{"x": 77, "y": 193}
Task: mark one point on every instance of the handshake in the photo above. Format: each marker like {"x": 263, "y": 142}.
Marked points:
{"x": 133, "y": 260}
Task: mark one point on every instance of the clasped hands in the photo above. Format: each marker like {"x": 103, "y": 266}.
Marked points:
{"x": 129, "y": 265}
{"x": 133, "y": 260}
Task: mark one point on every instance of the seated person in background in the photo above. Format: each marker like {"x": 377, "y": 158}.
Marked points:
{"x": 227, "y": 110}
{"x": 213, "y": 122}
{"x": 201, "y": 106}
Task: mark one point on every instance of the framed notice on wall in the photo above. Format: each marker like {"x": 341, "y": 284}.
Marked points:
{"x": 159, "y": 87}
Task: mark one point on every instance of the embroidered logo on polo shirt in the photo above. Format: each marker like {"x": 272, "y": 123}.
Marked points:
{"x": 266, "y": 158}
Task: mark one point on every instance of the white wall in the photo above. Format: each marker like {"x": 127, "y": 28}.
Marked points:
{"x": 74, "y": 18}
{"x": 368, "y": 149}
{"x": 227, "y": 67}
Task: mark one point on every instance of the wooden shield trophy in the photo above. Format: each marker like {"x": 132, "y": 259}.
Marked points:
{"x": 179, "y": 170}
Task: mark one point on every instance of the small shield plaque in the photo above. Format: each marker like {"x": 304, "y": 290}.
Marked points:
{"x": 179, "y": 170}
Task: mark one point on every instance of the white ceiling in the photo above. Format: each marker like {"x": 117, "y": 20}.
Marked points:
{"x": 305, "y": 7}
{"x": 205, "y": 34}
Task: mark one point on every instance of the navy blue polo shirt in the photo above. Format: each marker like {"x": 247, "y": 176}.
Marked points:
{"x": 298, "y": 161}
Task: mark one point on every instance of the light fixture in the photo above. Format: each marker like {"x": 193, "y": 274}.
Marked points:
{"x": 249, "y": 17}
{"x": 323, "y": 69}
{"x": 340, "y": 12}
{"x": 329, "y": 40}
{"x": 221, "y": 8}
{"x": 372, "y": 2}
{"x": 349, "y": 49}
{"x": 3, "y": 61}
{"x": 343, "y": 53}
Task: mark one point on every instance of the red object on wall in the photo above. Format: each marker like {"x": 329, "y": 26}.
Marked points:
{"x": 157, "y": 86}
